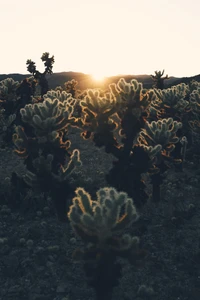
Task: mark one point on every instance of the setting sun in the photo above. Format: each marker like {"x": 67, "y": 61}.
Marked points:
{"x": 98, "y": 77}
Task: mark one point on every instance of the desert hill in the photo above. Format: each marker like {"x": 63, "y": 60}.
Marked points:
{"x": 85, "y": 80}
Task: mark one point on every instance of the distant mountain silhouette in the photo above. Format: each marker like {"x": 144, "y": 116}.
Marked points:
{"x": 85, "y": 81}
{"x": 185, "y": 80}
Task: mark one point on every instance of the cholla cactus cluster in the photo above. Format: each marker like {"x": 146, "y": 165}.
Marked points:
{"x": 195, "y": 101}
{"x": 159, "y": 136}
{"x": 193, "y": 85}
{"x": 172, "y": 98}
{"x": 195, "y": 108}
{"x": 98, "y": 109}
{"x": 98, "y": 105}
{"x": 102, "y": 219}
{"x": 8, "y": 88}
{"x": 62, "y": 96}
{"x": 70, "y": 87}
{"x": 50, "y": 121}
{"x": 132, "y": 96}
{"x": 21, "y": 142}
{"x": 43, "y": 166}
{"x": 48, "y": 117}
{"x": 6, "y": 122}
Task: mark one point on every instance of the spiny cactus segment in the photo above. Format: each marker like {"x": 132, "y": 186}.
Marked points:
{"x": 95, "y": 105}
{"x": 97, "y": 119}
{"x": 21, "y": 142}
{"x": 195, "y": 101}
{"x": 43, "y": 167}
{"x": 101, "y": 219}
{"x": 48, "y": 116}
{"x": 160, "y": 135}
{"x": 62, "y": 96}
{"x": 70, "y": 87}
{"x": 172, "y": 99}
{"x": 8, "y": 87}
{"x": 159, "y": 139}
{"x": 101, "y": 225}
{"x": 6, "y": 122}
{"x": 131, "y": 96}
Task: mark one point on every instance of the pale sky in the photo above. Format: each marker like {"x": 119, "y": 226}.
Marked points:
{"x": 102, "y": 37}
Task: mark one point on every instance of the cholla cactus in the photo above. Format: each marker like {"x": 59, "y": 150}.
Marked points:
{"x": 102, "y": 220}
{"x": 21, "y": 142}
{"x": 159, "y": 139}
{"x": 162, "y": 132}
{"x": 95, "y": 105}
{"x": 70, "y": 87}
{"x": 81, "y": 94}
{"x": 74, "y": 162}
{"x": 50, "y": 120}
{"x": 98, "y": 111}
{"x": 100, "y": 224}
{"x": 152, "y": 151}
{"x": 8, "y": 87}
{"x": 62, "y": 96}
{"x": 195, "y": 109}
{"x": 195, "y": 101}
{"x": 194, "y": 85}
{"x": 172, "y": 99}
{"x": 41, "y": 77}
{"x": 5, "y": 122}
{"x": 48, "y": 117}
{"x": 195, "y": 126}
{"x": 43, "y": 166}
{"x": 132, "y": 96}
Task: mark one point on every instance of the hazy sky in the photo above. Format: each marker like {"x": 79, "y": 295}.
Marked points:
{"x": 102, "y": 37}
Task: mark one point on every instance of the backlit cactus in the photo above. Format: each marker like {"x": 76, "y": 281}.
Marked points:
{"x": 21, "y": 142}
{"x": 162, "y": 132}
{"x": 103, "y": 219}
{"x": 43, "y": 167}
{"x": 131, "y": 96}
{"x": 8, "y": 88}
{"x": 48, "y": 117}
{"x": 97, "y": 106}
{"x": 62, "y": 96}
{"x": 5, "y": 122}
{"x": 96, "y": 118}
{"x": 70, "y": 87}
{"x": 171, "y": 99}
{"x": 195, "y": 101}
{"x": 159, "y": 139}
{"x": 101, "y": 224}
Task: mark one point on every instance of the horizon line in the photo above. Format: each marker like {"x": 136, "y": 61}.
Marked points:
{"x": 89, "y": 74}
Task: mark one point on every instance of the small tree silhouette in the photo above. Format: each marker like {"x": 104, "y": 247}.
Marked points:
{"x": 159, "y": 80}
{"x": 41, "y": 77}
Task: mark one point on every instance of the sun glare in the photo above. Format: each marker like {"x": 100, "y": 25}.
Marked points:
{"x": 98, "y": 77}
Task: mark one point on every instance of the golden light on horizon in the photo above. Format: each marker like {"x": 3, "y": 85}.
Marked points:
{"x": 98, "y": 77}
